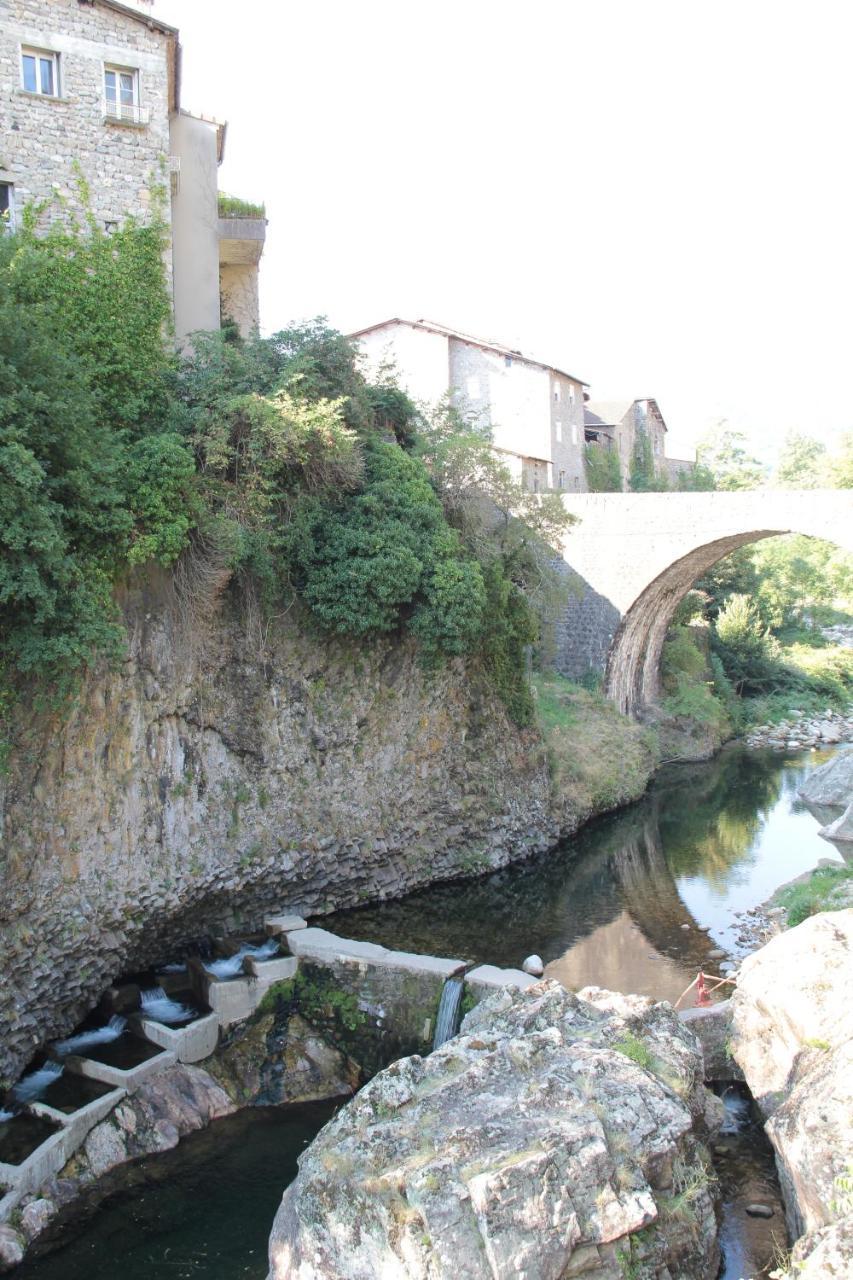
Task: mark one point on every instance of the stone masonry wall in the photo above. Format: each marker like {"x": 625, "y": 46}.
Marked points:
{"x": 41, "y": 138}
{"x": 222, "y": 773}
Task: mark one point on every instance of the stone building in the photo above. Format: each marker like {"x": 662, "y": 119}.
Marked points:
{"x": 533, "y": 410}
{"x": 618, "y": 424}
{"x": 91, "y": 89}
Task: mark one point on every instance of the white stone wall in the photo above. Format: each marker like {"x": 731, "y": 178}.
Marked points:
{"x": 195, "y": 227}
{"x": 42, "y": 138}
{"x": 507, "y": 393}
{"x": 567, "y": 437}
{"x": 420, "y": 358}
{"x": 238, "y": 286}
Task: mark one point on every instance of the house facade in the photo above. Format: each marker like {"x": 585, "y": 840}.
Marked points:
{"x": 619, "y": 425}
{"x": 91, "y": 89}
{"x": 533, "y": 410}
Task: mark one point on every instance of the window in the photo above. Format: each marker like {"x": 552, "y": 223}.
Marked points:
{"x": 40, "y": 72}
{"x": 558, "y": 432}
{"x": 574, "y": 433}
{"x": 562, "y": 479}
{"x": 556, "y": 391}
{"x": 508, "y": 361}
{"x": 571, "y": 395}
{"x": 7, "y": 207}
{"x": 121, "y": 95}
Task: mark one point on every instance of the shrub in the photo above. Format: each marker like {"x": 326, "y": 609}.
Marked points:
{"x": 603, "y": 473}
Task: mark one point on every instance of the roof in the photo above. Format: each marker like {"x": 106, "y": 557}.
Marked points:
{"x": 609, "y": 413}
{"x": 430, "y": 326}
{"x": 153, "y": 24}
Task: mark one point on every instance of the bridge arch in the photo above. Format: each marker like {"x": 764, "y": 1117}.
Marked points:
{"x": 637, "y": 555}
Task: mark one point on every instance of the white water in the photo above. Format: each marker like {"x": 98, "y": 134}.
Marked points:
{"x": 86, "y": 1039}
{"x": 449, "y": 1009}
{"x": 6, "y": 1115}
{"x": 157, "y": 1005}
{"x": 35, "y": 1084}
{"x": 232, "y": 965}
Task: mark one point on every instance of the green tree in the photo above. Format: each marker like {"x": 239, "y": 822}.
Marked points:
{"x": 840, "y": 465}
{"x": 745, "y": 647}
{"x": 801, "y": 463}
{"x": 603, "y": 474}
{"x": 725, "y": 454}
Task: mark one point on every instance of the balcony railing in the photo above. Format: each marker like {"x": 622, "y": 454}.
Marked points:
{"x": 125, "y": 112}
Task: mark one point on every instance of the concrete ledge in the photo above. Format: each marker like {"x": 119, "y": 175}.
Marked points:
{"x": 189, "y": 1043}
{"x": 319, "y": 944}
{"x": 79, "y": 1122}
{"x": 129, "y": 1080}
{"x": 411, "y": 962}
{"x": 43, "y": 1163}
{"x": 277, "y": 925}
{"x": 488, "y": 977}
{"x": 235, "y": 999}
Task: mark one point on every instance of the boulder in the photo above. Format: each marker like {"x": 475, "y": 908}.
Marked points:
{"x": 539, "y": 1142}
{"x": 825, "y": 1254}
{"x": 832, "y": 784}
{"x": 842, "y": 828}
{"x": 11, "y": 1248}
{"x": 792, "y": 1035}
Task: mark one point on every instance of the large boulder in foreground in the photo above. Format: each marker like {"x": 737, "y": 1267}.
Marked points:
{"x": 792, "y": 1036}
{"x": 556, "y": 1136}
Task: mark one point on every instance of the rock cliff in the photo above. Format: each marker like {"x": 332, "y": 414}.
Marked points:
{"x": 556, "y": 1136}
{"x": 229, "y": 768}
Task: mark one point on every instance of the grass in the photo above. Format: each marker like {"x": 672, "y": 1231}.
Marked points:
{"x": 818, "y": 893}
{"x": 234, "y": 207}
{"x": 634, "y": 1048}
{"x": 597, "y": 758}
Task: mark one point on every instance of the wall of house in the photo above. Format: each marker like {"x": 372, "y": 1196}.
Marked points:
{"x": 508, "y": 393}
{"x": 195, "y": 226}
{"x": 420, "y": 357}
{"x": 43, "y": 137}
{"x": 567, "y": 438}
{"x": 238, "y": 289}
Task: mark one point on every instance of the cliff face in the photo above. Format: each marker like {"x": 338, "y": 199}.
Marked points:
{"x": 227, "y": 769}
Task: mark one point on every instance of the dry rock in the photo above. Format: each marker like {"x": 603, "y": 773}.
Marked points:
{"x": 552, "y": 1129}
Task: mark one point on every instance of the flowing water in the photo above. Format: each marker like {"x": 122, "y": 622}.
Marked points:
{"x": 449, "y": 1011}
{"x": 610, "y": 907}
{"x": 161, "y": 1008}
{"x": 231, "y": 966}
{"x": 88, "y": 1039}
{"x": 623, "y": 903}
{"x": 32, "y": 1086}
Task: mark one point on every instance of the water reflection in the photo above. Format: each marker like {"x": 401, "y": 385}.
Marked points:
{"x": 621, "y": 904}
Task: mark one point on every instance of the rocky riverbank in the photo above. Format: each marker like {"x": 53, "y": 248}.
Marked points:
{"x": 557, "y": 1135}
{"x": 800, "y": 731}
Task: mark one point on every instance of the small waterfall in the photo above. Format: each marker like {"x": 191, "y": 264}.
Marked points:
{"x": 232, "y": 965}
{"x": 157, "y": 1005}
{"x": 6, "y": 1115}
{"x": 87, "y": 1039}
{"x": 35, "y": 1084}
{"x": 449, "y": 1011}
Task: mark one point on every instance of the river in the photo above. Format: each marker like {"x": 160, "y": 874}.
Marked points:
{"x": 621, "y": 904}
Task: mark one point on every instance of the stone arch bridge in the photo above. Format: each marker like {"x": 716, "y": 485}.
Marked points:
{"x": 635, "y": 556}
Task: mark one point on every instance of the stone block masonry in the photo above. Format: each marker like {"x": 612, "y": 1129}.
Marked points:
{"x": 45, "y": 138}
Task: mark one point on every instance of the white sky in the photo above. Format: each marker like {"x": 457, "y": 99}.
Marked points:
{"x": 652, "y": 194}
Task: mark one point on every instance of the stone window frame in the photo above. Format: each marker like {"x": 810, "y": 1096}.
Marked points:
{"x": 42, "y": 55}
{"x": 7, "y": 214}
{"x": 116, "y": 112}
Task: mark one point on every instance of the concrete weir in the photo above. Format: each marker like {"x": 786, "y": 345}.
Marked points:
{"x": 397, "y": 993}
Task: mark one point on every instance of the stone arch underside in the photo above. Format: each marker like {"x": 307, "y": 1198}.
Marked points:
{"x": 632, "y": 677}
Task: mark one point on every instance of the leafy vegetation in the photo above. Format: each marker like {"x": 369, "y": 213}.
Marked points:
{"x": 234, "y": 207}
{"x": 826, "y": 889}
{"x": 645, "y": 476}
{"x": 603, "y": 474}
{"x": 272, "y": 460}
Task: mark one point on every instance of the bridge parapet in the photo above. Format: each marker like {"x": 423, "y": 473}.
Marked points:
{"x": 635, "y": 556}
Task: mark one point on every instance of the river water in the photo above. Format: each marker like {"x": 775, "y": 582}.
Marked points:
{"x": 622, "y": 903}
{"x": 708, "y": 842}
